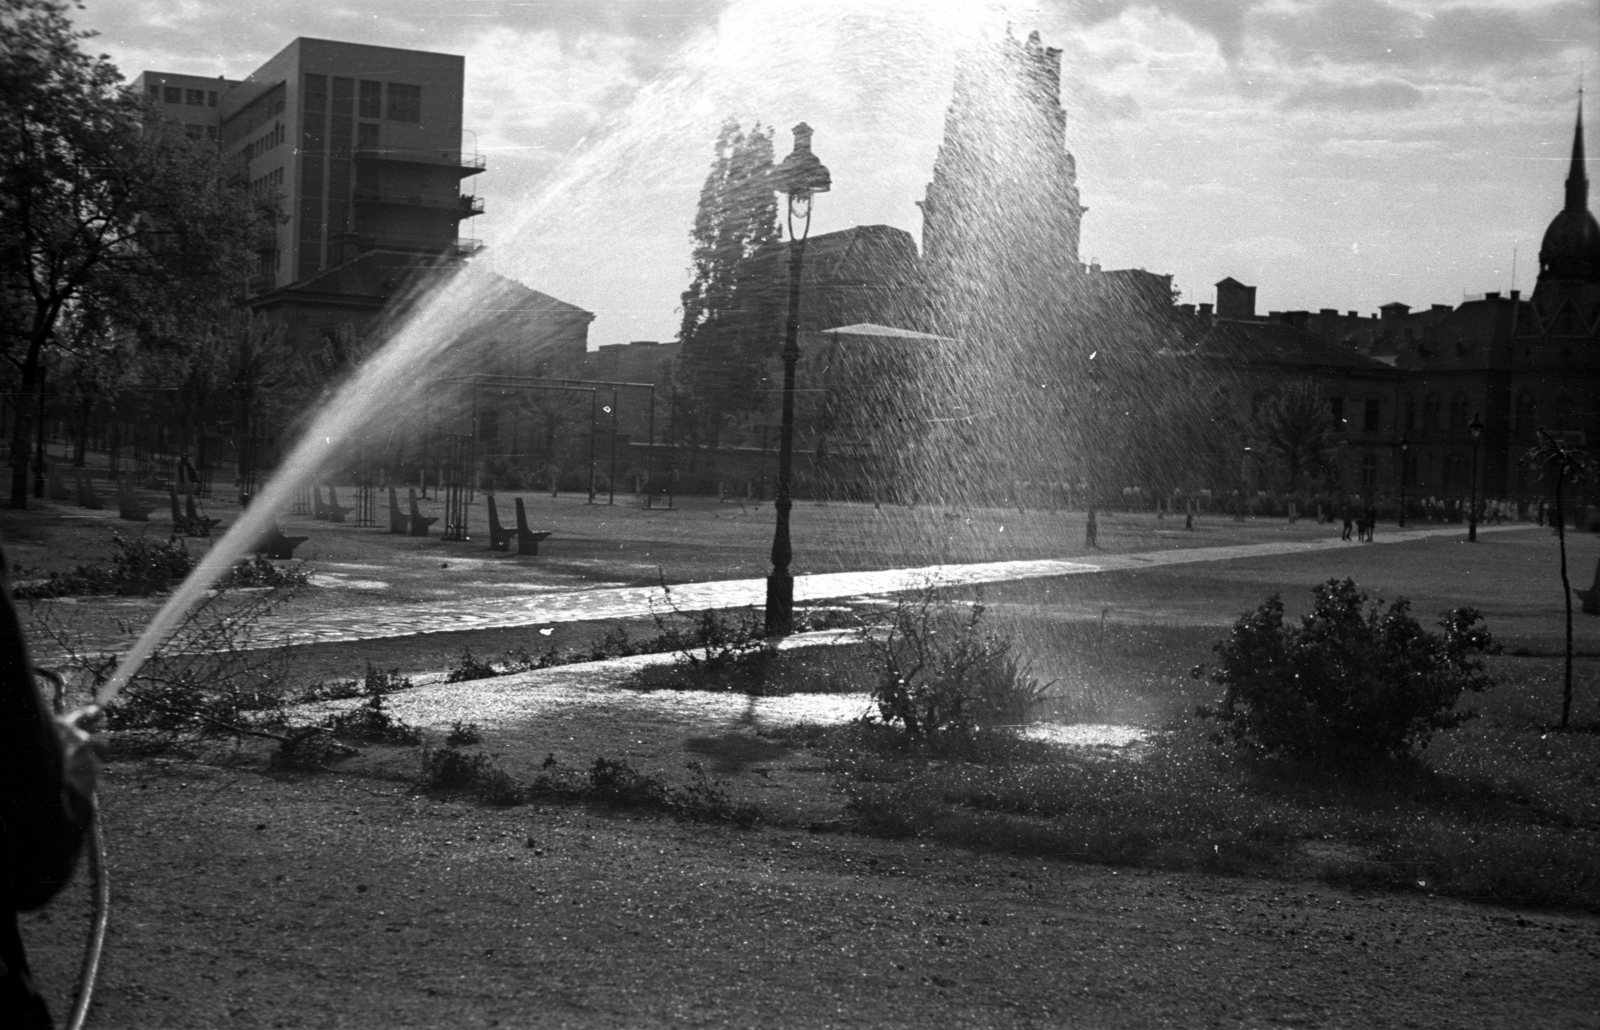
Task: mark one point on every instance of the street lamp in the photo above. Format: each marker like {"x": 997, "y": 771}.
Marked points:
{"x": 1405, "y": 446}
{"x": 1474, "y": 430}
{"x": 799, "y": 177}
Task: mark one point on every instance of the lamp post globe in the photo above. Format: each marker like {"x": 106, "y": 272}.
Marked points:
{"x": 1475, "y": 431}
{"x": 799, "y": 178}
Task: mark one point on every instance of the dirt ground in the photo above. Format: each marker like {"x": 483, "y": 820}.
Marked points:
{"x": 350, "y": 899}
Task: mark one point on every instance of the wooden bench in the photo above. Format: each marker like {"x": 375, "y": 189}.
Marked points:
{"x": 528, "y": 539}
{"x": 87, "y": 498}
{"x": 419, "y": 524}
{"x": 1591, "y": 597}
{"x": 335, "y": 511}
{"x": 273, "y": 544}
{"x": 499, "y": 536}
{"x": 129, "y": 506}
{"x": 397, "y": 519}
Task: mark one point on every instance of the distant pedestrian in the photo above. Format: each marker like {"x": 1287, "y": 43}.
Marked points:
{"x": 1091, "y": 531}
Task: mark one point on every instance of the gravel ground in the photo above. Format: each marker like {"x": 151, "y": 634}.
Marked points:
{"x": 347, "y": 901}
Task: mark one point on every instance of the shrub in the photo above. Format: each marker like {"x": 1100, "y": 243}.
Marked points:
{"x": 1352, "y": 680}
{"x": 715, "y": 650}
{"x": 940, "y": 672}
{"x": 463, "y": 734}
{"x": 450, "y": 769}
{"x": 371, "y": 722}
{"x": 260, "y": 571}
{"x": 471, "y": 669}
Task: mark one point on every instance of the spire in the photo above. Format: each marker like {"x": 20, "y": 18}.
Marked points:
{"x": 1577, "y": 177}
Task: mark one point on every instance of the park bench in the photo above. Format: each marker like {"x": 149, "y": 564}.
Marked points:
{"x": 335, "y": 511}
{"x": 87, "y": 498}
{"x": 397, "y": 519}
{"x": 528, "y": 539}
{"x": 129, "y": 506}
{"x": 1591, "y": 597}
{"x": 273, "y": 543}
{"x": 499, "y": 536}
{"x": 419, "y": 524}
{"x": 58, "y": 489}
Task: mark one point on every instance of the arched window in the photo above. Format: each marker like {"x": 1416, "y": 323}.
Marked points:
{"x": 1430, "y": 413}
{"x": 1369, "y": 471}
{"x": 1458, "y": 414}
{"x": 1527, "y": 417}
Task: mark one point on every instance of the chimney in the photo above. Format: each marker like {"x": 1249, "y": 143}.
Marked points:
{"x": 1492, "y": 296}
{"x": 1205, "y": 314}
{"x": 1516, "y": 294}
{"x": 1235, "y": 299}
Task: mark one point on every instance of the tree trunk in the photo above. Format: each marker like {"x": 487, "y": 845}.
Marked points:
{"x": 1566, "y": 595}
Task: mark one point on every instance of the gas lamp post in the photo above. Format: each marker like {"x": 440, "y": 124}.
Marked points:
{"x": 799, "y": 177}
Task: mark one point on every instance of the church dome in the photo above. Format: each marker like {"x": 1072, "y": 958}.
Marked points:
{"x": 1571, "y": 247}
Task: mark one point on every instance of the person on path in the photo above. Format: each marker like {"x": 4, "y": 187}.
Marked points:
{"x": 1091, "y": 532}
{"x": 47, "y": 771}
{"x": 1349, "y": 523}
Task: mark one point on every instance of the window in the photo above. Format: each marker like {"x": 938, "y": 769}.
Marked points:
{"x": 370, "y": 104}
{"x": 172, "y": 95}
{"x": 211, "y": 98}
{"x": 1369, "y": 471}
{"x": 211, "y": 133}
{"x": 405, "y": 103}
{"x": 1458, "y": 413}
{"x": 1369, "y": 418}
{"x": 1336, "y": 409}
{"x": 194, "y": 97}
{"x": 1430, "y": 413}
{"x": 155, "y": 92}
{"x": 366, "y": 136}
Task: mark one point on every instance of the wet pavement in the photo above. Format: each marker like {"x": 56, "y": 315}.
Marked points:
{"x": 547, "y": 608}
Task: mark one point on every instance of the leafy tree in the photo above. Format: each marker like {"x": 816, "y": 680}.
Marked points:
{"x": 1351, "y": 681}
{"x": 1294, "y": 425}
{"x": 1554, "y": 459}
{"x": 724, "y": 349}
{"x": 102, "y": 209}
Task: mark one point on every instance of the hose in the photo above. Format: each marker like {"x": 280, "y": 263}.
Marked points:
{"x": 100, "y": 890}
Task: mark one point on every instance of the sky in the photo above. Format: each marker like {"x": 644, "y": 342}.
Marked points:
{"x": 1332, "y": 153}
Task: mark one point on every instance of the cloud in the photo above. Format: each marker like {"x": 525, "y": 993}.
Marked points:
{"x": 1223, "y": 20}
{"x": 1380, "y": 95}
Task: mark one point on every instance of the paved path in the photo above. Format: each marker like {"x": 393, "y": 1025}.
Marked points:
{"x": 602, "y": 603}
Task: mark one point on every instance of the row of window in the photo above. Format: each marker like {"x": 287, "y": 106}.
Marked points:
{"x": 193, "y": 131}
{"x": 265, "y": 142}
{"x": 179, "y": 95}
{"x": 396, "y": 101}
{"x": 267, "y": 185}
{"x": 1371, "y": 414}
{"x": 1525, "y": 420}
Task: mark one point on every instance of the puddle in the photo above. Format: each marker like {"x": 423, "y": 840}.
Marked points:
{"x": 1087, "y": 734}
{"x": 340, "y": 581}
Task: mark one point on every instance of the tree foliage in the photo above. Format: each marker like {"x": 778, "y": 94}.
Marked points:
{"x": 104, "y": 212}
{"x": 1295, "y": 426}
{"x": 724, "y": 349}
{"x": 1351, "y": 681}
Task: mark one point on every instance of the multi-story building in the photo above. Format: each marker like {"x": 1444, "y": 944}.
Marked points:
{"x": 360, "y": 144}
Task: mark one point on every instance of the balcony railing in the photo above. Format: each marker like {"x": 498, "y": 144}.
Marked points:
{"x": 408, "y": 241}
{"x": 467, "y": 164}
{"x": 409, "y": 198}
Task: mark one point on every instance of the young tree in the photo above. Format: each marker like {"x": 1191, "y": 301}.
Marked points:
{"x": 101, "y": 207}
{"x": 1294, "y": 424}
{"x": 1553, "y": 458}
{"x": 724, "y": 349}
